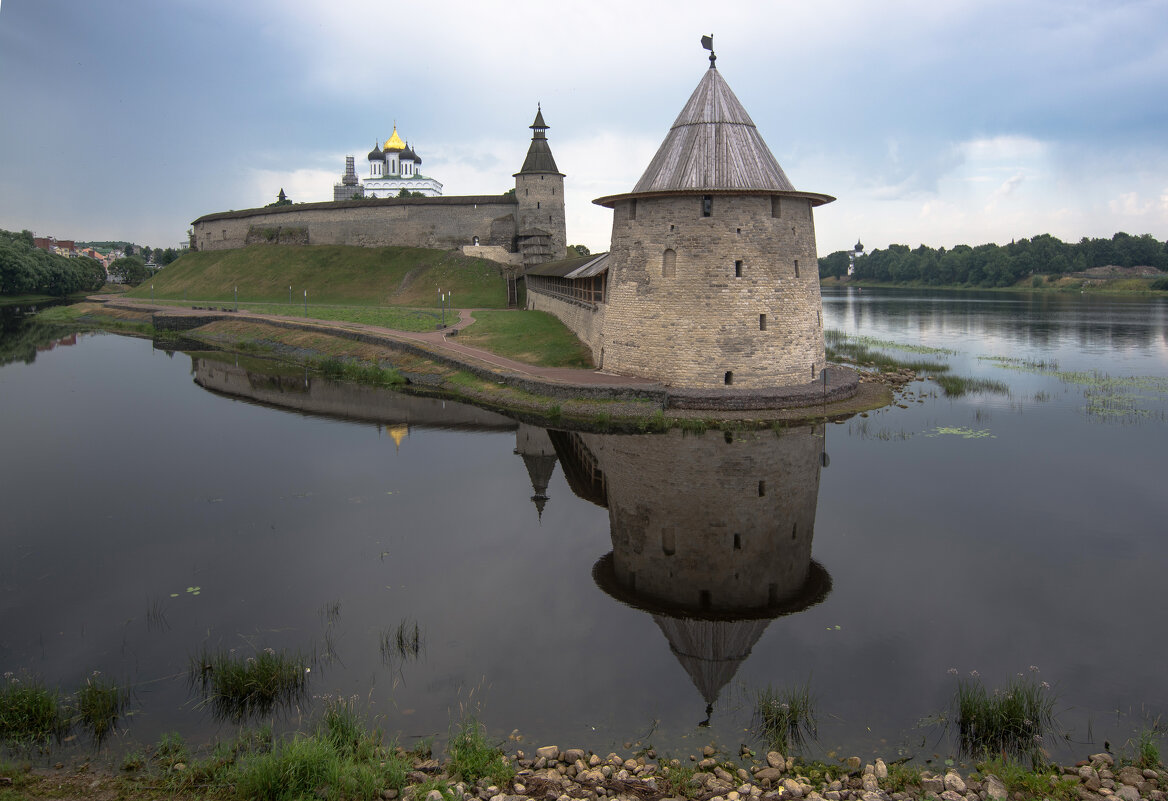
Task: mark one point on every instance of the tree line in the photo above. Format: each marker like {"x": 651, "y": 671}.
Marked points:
{"x": 998, "y": 265}
{"x": 27, "y": 270}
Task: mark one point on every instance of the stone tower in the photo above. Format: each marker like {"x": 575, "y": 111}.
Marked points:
{"x": 713, "y": 276}
{"x": 539, "y": 188}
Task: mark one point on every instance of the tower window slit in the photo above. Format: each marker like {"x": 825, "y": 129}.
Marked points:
{"x": 761, "y": 488}
{"x": 669, "y": 263}
{"x": 796, "y": 268}
{"x": 738, "y": 542}
{"x": 707, "y": 205}
{"x": 776, "y": 207}
{"x": 762, "y": 322}
{"x": 729, "y": 377}
{"x": 738, "y": 268}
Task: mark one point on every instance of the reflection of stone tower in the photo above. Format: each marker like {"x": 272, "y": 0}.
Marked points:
{"x": 713, "y": 276}
{"x": 710, "y": 536}
{"x": 539, "y": 189}
{"x": 539, "y": 457}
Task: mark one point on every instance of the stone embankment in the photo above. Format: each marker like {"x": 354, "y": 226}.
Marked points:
{"x": 554, "y": 775}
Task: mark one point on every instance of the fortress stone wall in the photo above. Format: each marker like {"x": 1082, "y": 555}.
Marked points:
{"x": 444, "y": 223}
{"x": 586, "y": 321}
{"x": 739, "y": 287}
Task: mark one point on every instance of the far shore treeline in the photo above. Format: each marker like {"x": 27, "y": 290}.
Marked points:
{"x": 1000, "y": 265}
{"x": 27, "y": 270}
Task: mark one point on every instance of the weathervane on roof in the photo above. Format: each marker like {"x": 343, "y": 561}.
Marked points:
{"x": 708, "y": 43}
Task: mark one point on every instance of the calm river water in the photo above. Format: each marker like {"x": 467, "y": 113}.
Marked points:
{"x": 593, "y": 590}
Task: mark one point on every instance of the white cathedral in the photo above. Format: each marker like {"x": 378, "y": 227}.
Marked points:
{"x": 393, "y": 167}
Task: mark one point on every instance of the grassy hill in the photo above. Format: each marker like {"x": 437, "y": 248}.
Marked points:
{"x": 332, "y": 274}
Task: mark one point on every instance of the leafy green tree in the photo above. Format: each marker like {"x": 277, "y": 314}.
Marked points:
{"x": 579, "y": 250}
{"x": 131, "y": 269}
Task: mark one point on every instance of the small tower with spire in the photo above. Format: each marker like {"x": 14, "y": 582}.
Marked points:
{"x": 539, "y": 190}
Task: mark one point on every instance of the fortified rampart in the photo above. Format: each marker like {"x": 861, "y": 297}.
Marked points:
{"x": 443, "y": 223}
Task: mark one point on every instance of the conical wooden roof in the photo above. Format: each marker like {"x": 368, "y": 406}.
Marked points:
{"x": 713, "y": 145}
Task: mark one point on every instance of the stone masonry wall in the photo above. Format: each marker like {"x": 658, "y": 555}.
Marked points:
{"x": 540, "y": 198}
{"x": 692, "y": 327}
{"x": 702, "y": 523}
{"x": 444, "y": 223}
{"x": 586, "y": 322}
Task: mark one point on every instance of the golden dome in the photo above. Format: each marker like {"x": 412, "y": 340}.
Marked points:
{"x": 394, "y": 142}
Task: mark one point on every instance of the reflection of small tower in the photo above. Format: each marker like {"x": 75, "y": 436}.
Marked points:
{"x": 855, "y": 253}
{"x": 711, "y": 537}
{"x": 539, "y": 457}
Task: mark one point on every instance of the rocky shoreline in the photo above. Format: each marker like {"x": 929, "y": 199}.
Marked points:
{"x": 554, "y": 775}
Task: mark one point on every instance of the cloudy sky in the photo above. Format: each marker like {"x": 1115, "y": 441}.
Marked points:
{"x": 932, "y": 122}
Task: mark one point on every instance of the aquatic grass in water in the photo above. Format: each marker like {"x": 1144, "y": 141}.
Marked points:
{"x": 1013, "y": 721}
{"x": 402, "y": 644}
{"x": 956, "y": 386}
{"x": 836, "y": 337}
{"x": 238, "y": 688}
{"x": 359, "y": 372}
{"x": 30, "y": 713}
{"x": 98, "y": 703}
{"x": 786, "y": 717}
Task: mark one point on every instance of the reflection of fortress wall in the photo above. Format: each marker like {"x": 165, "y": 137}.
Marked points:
{"x": 354, "y": 401}
{"x": 711, "y": 527}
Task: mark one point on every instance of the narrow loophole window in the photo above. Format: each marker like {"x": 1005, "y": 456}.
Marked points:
{"x": 738, "y": 268}
{"x": 738, "y": 542}
{"x": 707, "y": 205}
{"x": 796, "y": 268}
{"x": 729, "y": 377}
{"x": 776, "y": 207}
{"x": 668, "y": 542}
{"x": 762, "y": 322}
{"x": 761, "y": 488}
{"x": 794, "y": 531}
{"x": 669, "y": 263}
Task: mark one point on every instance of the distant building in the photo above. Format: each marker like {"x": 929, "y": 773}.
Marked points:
{"x": 392, "y": 168}
{"x": 522, "y": 227}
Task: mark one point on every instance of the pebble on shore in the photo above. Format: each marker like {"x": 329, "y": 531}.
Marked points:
{"x": 567, "y": 775}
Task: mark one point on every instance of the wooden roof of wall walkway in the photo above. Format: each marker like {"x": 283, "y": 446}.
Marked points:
{"x": 575, "y": 267}
{"x": 714, "y": 147}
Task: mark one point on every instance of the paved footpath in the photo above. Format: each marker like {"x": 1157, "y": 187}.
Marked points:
{"x": 440, "y": 340}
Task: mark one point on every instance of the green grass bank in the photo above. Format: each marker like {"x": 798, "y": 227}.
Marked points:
{"x": 332, "y": 274}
